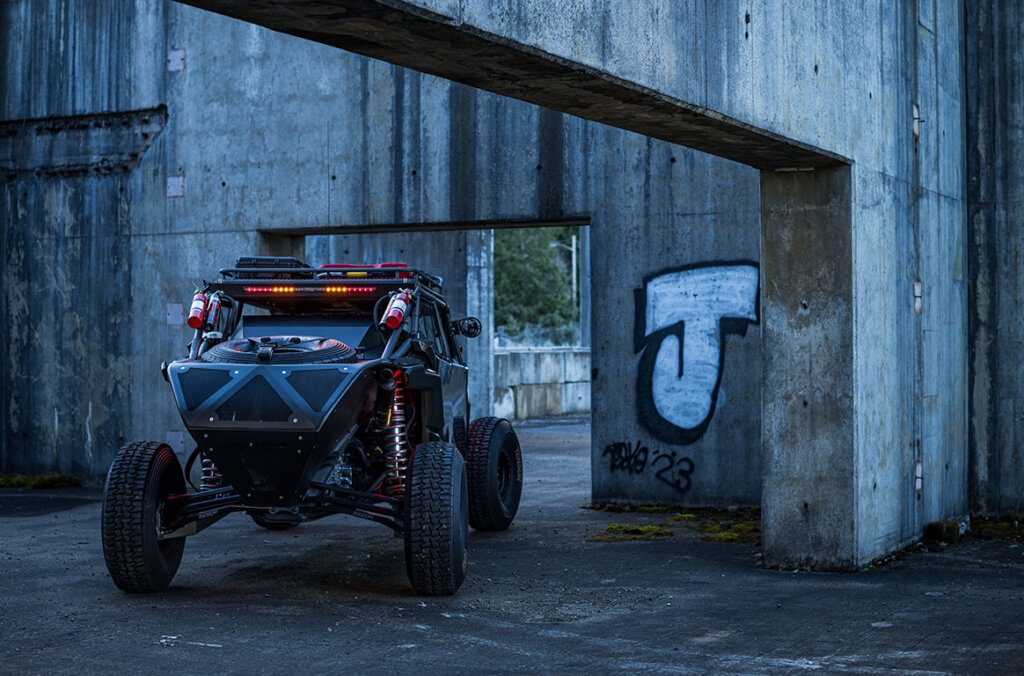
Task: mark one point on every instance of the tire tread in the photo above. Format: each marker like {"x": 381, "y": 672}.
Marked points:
{"x": 123, "y": 521}
{"x": 481, "y": 514}
{"x": 428, "y": 519}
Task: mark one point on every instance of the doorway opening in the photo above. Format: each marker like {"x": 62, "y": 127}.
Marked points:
{"x": 528, "y": 281}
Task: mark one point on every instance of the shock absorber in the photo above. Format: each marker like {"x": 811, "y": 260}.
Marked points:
{"x": 396, "y": 446}
{"x": 212, "y": 478}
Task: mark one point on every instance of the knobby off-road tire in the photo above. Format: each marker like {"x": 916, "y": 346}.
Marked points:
{"x": 436, "y": 520}
{"x": 494, "y": 467}
{"x": 142, "y": 475}
{"x": 263, "y": 522}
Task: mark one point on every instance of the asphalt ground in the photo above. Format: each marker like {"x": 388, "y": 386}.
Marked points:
{"x": 545, "y": 596}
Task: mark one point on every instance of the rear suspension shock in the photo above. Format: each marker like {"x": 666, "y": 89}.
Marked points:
{"x": 212, "y": 478}
{"x": 396, "y": 446}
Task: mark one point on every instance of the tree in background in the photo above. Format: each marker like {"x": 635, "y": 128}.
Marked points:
{"x": 533, "y": 285}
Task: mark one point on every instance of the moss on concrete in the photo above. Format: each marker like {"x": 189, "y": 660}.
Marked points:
{"x": 724, "y": 525}
{"x": 714, "y": 523}
{"x": 1006, "y": 527}
{"x": 617, "y": 532}
{"x": 620, "y": 508}
{"x": 731, "y": 531}
{"x": 38, "y": 482}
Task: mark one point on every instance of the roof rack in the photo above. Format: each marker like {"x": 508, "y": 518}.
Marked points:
{"x": 273, "y": 267}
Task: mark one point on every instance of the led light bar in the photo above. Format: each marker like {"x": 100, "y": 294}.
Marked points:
{"x": 310, "y": 289}
{"x": 349, "y": 289}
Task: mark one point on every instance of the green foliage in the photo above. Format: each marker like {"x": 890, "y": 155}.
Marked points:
{"x": 532, "y": 281}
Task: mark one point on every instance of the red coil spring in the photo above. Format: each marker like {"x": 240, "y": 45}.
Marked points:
{"x": 396, "y": 445}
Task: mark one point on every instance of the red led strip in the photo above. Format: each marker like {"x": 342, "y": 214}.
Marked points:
{"x": 350, "y": 289}
{"x": 325, "y": 289}
{"x": 269, "y": 289}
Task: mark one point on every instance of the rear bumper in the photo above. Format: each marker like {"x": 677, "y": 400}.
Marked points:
{"x": 270, "y": 428}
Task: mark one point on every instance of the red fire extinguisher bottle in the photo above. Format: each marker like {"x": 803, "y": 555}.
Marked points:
{"x": 213, "y": 312}
{"x": 197, "y": 311}
{"x": 396, "y": 309}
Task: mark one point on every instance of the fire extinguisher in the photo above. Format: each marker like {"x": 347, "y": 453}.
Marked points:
{"x": 196, "y": 320}
{"x": 213, "y": 312}
{"x": 395, "y": 312}
{"x": 198, "y": 310}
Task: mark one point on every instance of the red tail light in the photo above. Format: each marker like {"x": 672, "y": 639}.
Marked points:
{"x": 347, "y": 288}
{"x": 350, "y": 289}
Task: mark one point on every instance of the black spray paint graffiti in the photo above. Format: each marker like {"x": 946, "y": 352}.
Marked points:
{"x": 682, "y": 316}
{"x": 625, "y": 457}
{"x": 669, "y": 467}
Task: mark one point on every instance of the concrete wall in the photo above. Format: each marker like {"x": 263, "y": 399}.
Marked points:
{"x": 268, "y": 130}
{"x": 995, "y": 170}
{"x": 70, "y": 227}
{"x": 540, "y": 382}
{"x": 780, "y": 86}
{"x": 850, "y": 80}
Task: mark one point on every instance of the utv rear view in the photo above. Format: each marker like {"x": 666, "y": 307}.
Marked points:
{"x": 317, "y": 391}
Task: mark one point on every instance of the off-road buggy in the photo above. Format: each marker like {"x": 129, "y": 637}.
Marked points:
{"x": 311, "y": 392}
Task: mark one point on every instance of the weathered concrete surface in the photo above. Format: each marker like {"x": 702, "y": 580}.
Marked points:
{"x": 66, "y": 241}
{"x": 78, "y": 144}
{"x": 540, "y": 597}
{"x": 541, "y": 382}
{"x": 810, "y": 505}
{"x": 664, "y": 207}
{"x": 445, "y": 39}
{"x": 995, "y": 170}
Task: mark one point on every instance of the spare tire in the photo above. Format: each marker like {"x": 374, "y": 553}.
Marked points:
{"x": 280, "y": 350}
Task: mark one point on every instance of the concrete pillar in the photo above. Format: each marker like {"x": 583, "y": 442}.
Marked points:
{"x": 480, "y": 303}
{"x": 807, "y": 391}
{"x": 995, "y": 194}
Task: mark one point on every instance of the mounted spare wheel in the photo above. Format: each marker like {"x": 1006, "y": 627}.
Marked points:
{"x": 280, "y": 350}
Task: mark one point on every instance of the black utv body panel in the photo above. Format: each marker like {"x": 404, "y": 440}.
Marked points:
{"x": 268, "y": 428}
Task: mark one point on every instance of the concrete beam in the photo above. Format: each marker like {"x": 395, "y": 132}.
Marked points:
{"x": 437, "y": 226}
{"x": 407, "y": 35}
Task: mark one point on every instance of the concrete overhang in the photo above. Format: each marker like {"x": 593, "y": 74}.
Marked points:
{"x": 427, "y": 226}
{"x": 410, "y": 36}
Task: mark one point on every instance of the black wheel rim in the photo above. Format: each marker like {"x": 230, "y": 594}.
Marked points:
{"x": 504, "y": 476}
{"x": 167, "y": 487}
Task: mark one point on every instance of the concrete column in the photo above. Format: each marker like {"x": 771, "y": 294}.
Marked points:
{"x": 807, "y": 392}
{"x": 480, "y": 304}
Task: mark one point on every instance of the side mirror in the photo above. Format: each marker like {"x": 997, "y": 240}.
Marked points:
{"x": 470, "y": 327}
